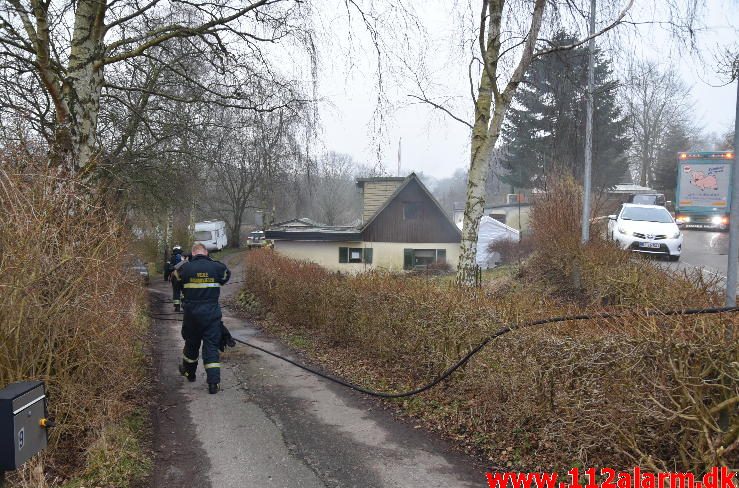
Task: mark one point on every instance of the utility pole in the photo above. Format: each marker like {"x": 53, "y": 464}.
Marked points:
{"x": 585, "y": 236}
{"x": 400, "y": 141}
{"x": 733, "y": 220}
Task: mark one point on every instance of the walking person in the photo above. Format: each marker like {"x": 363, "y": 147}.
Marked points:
{"x": 174, "y": 262}
{"x": 201, "y": 279}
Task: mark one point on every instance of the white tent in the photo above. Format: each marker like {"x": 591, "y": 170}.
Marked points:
{"x": 492, "y": 230}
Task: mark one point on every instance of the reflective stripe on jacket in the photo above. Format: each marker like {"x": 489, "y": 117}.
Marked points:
{"x": 201, "y": 279}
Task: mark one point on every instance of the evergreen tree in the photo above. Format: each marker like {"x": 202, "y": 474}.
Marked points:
{"x": 675, "y": 140}
{"x": 546, "y": 127}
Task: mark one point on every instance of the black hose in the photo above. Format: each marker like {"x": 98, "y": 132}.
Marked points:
{"x": 500, "y": 332}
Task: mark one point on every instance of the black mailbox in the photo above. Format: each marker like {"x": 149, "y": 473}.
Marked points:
{"x": 22, "y": 423}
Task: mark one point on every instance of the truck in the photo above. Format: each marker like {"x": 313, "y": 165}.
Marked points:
{"x": 704, "y": 185}
{"x": 211, "y": 234}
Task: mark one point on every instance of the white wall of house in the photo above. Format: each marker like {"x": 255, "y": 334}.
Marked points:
{"x": 385, "y": 255}
{"x": 325, "y": 254}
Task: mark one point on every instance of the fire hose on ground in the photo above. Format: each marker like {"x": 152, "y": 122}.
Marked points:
{"x": 444, "y": 375}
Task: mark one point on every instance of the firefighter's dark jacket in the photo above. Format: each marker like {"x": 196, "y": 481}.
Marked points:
{"x": 173, "y": 260}
{"x": 201, "y": 279}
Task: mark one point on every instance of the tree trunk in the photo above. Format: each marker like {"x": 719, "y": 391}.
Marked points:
{"x": 475, "y": 206}
{"x": 169, "y": 230}
{"x": 644, "y": 162}
{"x": 235, "y": 241}
{"x": 75, "y": 138}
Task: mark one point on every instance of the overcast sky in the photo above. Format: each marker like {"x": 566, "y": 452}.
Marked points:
{"x": 437, "y": 145}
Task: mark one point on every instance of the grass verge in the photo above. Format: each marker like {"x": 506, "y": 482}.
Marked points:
{"x": 118, "y": 457}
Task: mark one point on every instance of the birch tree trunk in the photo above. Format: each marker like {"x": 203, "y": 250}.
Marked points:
{"x": 84, "y": 81}
{"x": 486, "y": 129}
{"x": 74, "y": 90}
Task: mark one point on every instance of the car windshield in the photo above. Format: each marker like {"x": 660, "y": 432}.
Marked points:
{"x": 256, "y": 235}
{"x": 646, "y": 214}
{"x": 203, "y": 235}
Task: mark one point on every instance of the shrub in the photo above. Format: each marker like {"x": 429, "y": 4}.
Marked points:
{"x": 603, "y": 392}
{"x": 600, "y": 273}
{"x": 511, "y": 251}
{"x": 71, "y": 313}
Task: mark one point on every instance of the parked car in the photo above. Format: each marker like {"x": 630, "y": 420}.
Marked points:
{"x": 647, "y": 198}
{"x": 647, "y": 229}
{"x": 139, "y": 267}
{"x": 211, "y": 234}
{"x": 255, "y": 239}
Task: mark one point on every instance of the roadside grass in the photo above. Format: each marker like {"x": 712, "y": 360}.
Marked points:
{"x": 489, "y": 276}
{"x": 298, "y": 341}
{"x": 619, "y": 392}
{"x": 118, "y": 458}
{"x": 221, "y": 255}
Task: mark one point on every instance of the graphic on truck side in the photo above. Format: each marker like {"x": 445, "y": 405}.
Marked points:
{"x": 704, "y": 185}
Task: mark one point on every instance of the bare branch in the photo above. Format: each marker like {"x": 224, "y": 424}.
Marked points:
{"x": 442, "y": 108}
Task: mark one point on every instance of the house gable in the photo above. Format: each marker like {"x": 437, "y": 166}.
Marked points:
{"x": 411, "y": 214}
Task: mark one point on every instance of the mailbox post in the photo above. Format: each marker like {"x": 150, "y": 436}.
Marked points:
{"x": 23, "y": 424}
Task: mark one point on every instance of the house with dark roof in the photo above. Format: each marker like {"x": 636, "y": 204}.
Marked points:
{"x": 402, "y": 227}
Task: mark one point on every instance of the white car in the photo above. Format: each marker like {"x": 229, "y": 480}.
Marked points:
{"x": 648, "y": 229}
{"x": 255, "y": 239}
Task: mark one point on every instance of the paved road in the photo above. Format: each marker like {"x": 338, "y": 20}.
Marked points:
{"x": 705, "y": 250}
{"x": 277, "y": 426}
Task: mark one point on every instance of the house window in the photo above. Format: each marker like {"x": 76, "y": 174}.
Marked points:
{"x": 355, "y": 255}
{"x": 422, "y": 258}
{"x": 411, "y": 210}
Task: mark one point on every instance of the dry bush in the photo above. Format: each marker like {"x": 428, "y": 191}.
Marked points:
{"x": 643, "y": 389}
{"x": 511, "y": 251}
{"x": 71, "y": 313}
{"x": 601, "y": 274}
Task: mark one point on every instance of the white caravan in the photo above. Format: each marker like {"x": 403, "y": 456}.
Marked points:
{"x": 211, "y": 234}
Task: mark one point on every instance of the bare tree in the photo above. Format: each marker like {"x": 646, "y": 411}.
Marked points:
{"x": 67, "y": 47}
{"x": 655, "y": 99}
{"x": 236, "y": 170}
{"x": 334, "y": 191}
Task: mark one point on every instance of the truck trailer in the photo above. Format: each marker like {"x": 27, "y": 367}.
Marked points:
{"x": 703, "y": 194}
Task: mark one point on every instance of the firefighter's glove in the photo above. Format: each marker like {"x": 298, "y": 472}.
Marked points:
{"x": 226, "y": 339}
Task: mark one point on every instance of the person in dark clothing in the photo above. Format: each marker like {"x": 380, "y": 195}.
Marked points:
{"x": 174, "y": 261}
{"x": 201, "y": 279}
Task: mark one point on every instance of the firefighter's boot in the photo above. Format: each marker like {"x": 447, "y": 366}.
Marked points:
{"x": 187, "y": 368}
{"x": 213, "y": 388}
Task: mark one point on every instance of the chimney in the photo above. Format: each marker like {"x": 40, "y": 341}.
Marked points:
{"x": 375, "y": 192}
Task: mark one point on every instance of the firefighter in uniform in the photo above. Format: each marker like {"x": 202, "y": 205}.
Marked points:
{"x": 201, "y": 279}
{"x": 174, "y": 262}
